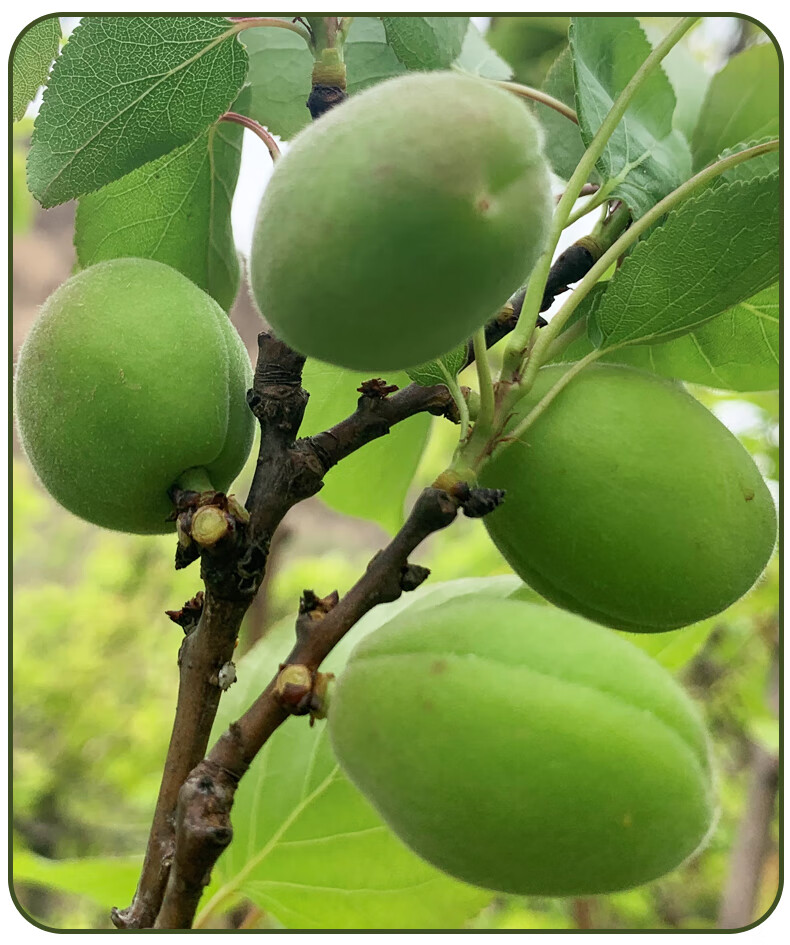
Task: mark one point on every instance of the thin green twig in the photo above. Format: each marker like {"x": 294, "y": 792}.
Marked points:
{"x": 536, "y": 95}
{"x": 520, "y": 339}
{"x": 631, "y": 235}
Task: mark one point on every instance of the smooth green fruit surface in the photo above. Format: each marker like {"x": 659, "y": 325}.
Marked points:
{"x": 628, "y": 502}
{"x": 398, "y": 223}
{"x": 131, "y": 376}
{"x": 524, "y": 749}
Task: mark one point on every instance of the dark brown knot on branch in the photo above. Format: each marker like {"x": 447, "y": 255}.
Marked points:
{"x": 189, "y": 615}
{"x": 412, "y": 575}
{"x": 324, "y": 97}
{"x": 317, "y": 607}
{"x": 475, "y": 502}
{"x": 377, "y": 388}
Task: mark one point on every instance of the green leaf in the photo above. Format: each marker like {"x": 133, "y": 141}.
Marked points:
{"x": 761, "y": 166}
{"x": 426, "y": 42}
{"x": 373, "y": 482}
{"x": 36, "y": 47}
{"x": 478, "y": 58}
{"x": 742, "y": 104}
{"x": 280, "y": 77}
{"x": 563, "y": 141}
{"x": 310, "y": 849}
{"x": 737, "y": 350}
{"x": 718, "y": 248}
{"x": 368, "y": 57}
{"x": 435, "y": 372}
{"x": 126, "y": 90}
{"x": 175, "y": 210}
{"x": 646, "y": 155}
{"x": 108, "y": 880}
{"x": 688, "y": 76}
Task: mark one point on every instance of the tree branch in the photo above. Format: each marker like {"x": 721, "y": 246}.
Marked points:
{"x": 203, "y": 827}
{"x": 232, "y": 572}
{"x": 287, "y": 471}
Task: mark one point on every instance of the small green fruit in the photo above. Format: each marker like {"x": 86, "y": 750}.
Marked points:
{"x": 131, "y": 377}
{"x": 628, "y": 502}
{"x": 524, "y": 749}
{"x": 400, "y": 222}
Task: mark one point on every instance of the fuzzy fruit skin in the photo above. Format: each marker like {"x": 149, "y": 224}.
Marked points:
{"x": 628, "y": 502}
{"x": 524, "y": 749}
{"x": 131, "y": 376}
{"x": 400, "y": 222}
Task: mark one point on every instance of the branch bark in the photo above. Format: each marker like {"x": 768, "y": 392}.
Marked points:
{"x": 203, "y": 827}
{"x": 287, "y": 471}
{"x": 232, "y": 574}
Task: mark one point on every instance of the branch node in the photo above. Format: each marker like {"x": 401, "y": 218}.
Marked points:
{"x": 317, "y": 607}
{"x": 478, "y": 502}
{"x": 293, "y": 688}
{"x": 189, "y": 615}
{"x": 186, "y": 555}
{"x": 322, "y": 98}
{"x": 377, "y": 388}
{"x": 412, "y": 575}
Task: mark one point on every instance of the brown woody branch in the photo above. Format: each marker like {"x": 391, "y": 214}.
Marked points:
{"x": 287, "y": 471}
{"x": 232, "y": 574}
{"x": 192, "y": 835}
{"x": 203, "y": 827}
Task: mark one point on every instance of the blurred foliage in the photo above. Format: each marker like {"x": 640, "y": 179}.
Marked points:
{"x": 529, "y": 43}
{"x": 23, "y": 205}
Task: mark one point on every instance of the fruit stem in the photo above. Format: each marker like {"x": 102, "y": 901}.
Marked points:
{"x": 195, "y": 479}
{"x": 518, "y": 346}
{"x": 484, "y": 425}
{"x": 459, "y": 400}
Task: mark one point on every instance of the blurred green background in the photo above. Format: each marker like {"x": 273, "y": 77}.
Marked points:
{"x": 94, "y": 658}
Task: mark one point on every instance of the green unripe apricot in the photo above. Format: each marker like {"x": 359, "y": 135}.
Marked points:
{"x": 524, "y": 749}
{"x": 131, "y": 378}
{"x": 628, "y": 502}
{"x": 398, "y": 223}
